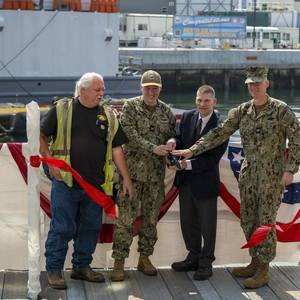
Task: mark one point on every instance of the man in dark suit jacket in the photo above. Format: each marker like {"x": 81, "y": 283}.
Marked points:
{"x": 198, "y": 182}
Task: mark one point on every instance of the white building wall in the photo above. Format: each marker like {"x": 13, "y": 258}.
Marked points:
{"x": 293, "y": 34}
{"x": 71, "y": 44}
{"x": 269, "y": 5}
{"x": 154, "y": 25}
{"x": 297, "y": 6}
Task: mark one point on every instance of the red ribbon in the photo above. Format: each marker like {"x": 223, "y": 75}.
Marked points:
{"x": 99, "y": 197}
{"x": 35, "y": 161}
{"x": 261, "y": 232}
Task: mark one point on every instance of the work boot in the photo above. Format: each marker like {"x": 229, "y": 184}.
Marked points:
{"x": 247, "y": 271}
{"x": 56, "y": 280}
{"x": 117, "y": 273}
{"x": 260, "y": 278}
{"x": 87, "y": 274}
{"x": 146, "y": 266}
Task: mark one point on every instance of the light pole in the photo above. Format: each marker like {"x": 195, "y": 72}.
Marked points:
{"x": 254, "y": 22}
{"x": 188, "y": 4}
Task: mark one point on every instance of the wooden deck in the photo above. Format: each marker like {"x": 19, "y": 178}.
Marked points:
{"x": 284, "y": 284}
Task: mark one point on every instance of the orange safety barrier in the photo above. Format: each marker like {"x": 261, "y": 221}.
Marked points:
{"x": 102, "y": 5}
{"x": 76, "y": 5}
{"x": 15, "y": 4}
{"x": 57, "y": 3}
{"x": 115, "y": 6}
{"x": 11, "y": 4}
{"x": 94, "y": 5}
{"x": 23, "y": 5}
{"x": 18, "y": 4}
{"x": 7, "y": 4}
{"x": 26, "y": 5}
{"x": 108, "y": 6}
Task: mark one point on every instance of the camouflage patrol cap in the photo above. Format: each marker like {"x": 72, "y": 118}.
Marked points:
{"x": 256, "y": 74}
{"x": 151, "y": 78}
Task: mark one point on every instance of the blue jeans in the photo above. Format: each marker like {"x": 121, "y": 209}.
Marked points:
{"x": 74, "y": 216}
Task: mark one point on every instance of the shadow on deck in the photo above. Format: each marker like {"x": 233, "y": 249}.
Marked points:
{"x": 284, "y": 284}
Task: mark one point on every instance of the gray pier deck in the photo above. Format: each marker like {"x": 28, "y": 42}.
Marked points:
{"x": 284, "y": 284}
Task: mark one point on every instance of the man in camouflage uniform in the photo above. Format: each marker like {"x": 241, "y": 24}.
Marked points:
{"x": 148, "y": 124}
{"x": 265, "y": 124}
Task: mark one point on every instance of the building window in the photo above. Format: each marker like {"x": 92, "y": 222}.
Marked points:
{"x": 266, "y": 35}
{"x": 122, "y": 27}
{"x": 143, "y": 27}
{"x": 274, "y": 35}
{"x": 177, "y": 32}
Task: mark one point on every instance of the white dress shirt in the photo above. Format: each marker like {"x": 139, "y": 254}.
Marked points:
{"x": 204, "y": 123}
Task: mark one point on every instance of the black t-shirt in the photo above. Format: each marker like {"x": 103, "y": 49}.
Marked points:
{"x": 88, "y": 140}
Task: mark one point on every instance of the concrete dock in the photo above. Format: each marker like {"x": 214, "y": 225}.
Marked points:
{"x": 221, "y": 68}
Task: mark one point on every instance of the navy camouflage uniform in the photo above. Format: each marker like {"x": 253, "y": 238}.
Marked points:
{"x": 264, "y": 138}
{"x": 145, "y": 130}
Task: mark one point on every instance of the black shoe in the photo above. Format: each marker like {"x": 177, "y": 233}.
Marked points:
{"x": 184, "y": 266}
{"x": 203, "y": 273}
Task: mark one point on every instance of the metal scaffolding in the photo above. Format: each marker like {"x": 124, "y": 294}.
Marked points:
{"x": 196, "y": 7}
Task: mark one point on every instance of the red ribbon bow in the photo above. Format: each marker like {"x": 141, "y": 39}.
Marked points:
{"x": 35, "y": 161}
{"x": 95, "y": 194}
{"x": 261, "y": 232}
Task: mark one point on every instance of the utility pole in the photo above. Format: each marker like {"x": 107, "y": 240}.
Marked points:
{"x": 188, "y": 6}
{"x": 254, "y": 23}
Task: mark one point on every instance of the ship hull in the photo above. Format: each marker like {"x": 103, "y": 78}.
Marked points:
{"x": 45, "y": 90}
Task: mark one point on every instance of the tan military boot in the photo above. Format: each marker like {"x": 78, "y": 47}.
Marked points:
{"x": 146, "y": 266}
{"x": 260, "y": 278}
{"x": 117, "y": 273}
{"x": 247, "y": 271}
